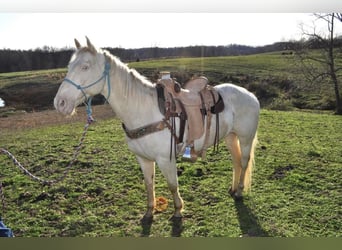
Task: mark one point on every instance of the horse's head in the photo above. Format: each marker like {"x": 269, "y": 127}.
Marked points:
{"x": 86, "y": 77}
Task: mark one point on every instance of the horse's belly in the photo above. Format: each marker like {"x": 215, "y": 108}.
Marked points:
{"x": 151, "y": 146}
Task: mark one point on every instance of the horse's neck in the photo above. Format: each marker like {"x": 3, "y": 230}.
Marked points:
{"x": 134, "y": 103}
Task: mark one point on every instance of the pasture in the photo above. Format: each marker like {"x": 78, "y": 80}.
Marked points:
{"x": 296, "y": 189}
{"x": 276, "y": 80}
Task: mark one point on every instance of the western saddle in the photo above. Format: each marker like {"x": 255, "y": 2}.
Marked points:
{"x": 190, "y": 103}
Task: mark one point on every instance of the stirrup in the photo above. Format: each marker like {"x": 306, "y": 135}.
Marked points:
{"x": 189, "y": 154}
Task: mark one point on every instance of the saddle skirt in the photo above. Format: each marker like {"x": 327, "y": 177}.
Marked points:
{"x": 191, "y": 104}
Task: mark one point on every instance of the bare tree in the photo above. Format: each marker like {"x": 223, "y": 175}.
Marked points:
{"x": 321, "y": 66}
{"x": 339, "y": 16}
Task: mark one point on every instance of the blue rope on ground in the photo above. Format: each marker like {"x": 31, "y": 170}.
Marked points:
{"x": 5, "y": 231}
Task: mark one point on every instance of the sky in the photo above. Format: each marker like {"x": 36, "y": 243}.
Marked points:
{"x": 137, "y": 30}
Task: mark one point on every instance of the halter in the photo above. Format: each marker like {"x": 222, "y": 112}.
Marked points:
{"x": 106, "y": 75}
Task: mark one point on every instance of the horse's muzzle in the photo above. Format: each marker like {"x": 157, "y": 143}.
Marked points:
{"x": 64, "y": 106}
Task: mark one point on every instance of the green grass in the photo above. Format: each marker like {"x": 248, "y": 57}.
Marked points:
{"x": 276, "y": 80}
{"x": 296, "y": 189}
{"x": 37, "y": 76}
{"x": 260, "y": 65}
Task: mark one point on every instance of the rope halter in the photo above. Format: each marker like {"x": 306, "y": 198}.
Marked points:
{"x": 105, "y": 75}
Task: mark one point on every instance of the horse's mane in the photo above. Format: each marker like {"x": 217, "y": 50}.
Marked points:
{"x": 135, "y": 83}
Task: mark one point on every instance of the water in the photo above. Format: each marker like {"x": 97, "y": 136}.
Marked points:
{"x": 2, "y": 103}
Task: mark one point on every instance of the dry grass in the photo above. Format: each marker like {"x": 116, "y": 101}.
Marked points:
{"x": 25, "y": 120}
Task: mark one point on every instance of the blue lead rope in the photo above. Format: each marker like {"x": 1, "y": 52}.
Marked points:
{"x": 5, "y": 231}
{"x": 89, "y": 110}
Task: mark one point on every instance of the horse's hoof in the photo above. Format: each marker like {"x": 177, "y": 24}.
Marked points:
{"x": 146, "y": 220}
{"x": 231, "y": 192}
{"x": 238, "y": 198}
{"x": 234, "y": 195}
{"x": 177, "y": 226}
{"x": 176, "y": 219}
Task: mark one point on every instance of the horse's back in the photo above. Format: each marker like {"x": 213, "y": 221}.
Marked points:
{"x": 241, "y": 108}
{"x": 238, "y": 96}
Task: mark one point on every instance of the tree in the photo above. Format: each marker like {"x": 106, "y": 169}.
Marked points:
{"x": 321, "y": 66}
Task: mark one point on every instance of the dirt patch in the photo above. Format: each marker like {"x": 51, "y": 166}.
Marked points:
{"x": 29, "y": 96}
{"x": 280, "y": 172}
{"x": 23, "y": 120}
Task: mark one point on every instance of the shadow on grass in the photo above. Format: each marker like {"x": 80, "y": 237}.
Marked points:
{"x": 249, "y": 224}
{"x": 176, "y": 223}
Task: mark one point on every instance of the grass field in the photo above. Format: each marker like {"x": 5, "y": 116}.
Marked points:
{"x": 276, "y": 80}
{"x": 296, "y": 189}
{"x": 297, "y": 185}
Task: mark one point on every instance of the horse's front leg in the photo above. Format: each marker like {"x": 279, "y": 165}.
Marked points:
{"x": 148, "y": 169}
{"x": 169, "y": 170}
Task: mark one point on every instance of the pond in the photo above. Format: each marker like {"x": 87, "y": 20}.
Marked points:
{"x": 2, "y": 103}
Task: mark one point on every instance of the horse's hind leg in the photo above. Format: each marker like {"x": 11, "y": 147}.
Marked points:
{"x": 148, "y": 169}
{"x": 245, "y": 171}
{"x": 247, "y": 146}
{"x": 233, "y": 146}
{"x": 242, "y": 151}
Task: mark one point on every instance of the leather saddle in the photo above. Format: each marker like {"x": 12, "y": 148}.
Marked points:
{"x": 190, "y": 103}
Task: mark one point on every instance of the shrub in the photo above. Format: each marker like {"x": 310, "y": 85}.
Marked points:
{"x": 281, "y": 104}
{"x": 264, "y": 91}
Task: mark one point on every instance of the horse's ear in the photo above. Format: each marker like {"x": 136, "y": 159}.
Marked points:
{"x": 77, "y": 43}
{"x": 90, "y": 46}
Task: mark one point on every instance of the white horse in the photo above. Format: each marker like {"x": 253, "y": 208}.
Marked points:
{"x": 133, "y": 98}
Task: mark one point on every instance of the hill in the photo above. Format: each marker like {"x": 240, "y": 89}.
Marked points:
{"x": 50, "y": 58}
{"x": 273, "y": 77}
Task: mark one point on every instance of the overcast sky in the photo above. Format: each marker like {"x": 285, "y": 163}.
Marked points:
{"x": 137, "y": 30}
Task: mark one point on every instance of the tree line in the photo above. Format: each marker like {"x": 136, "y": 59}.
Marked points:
{"x": 24, "y": 60}
{"x": 50, "y": 58}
